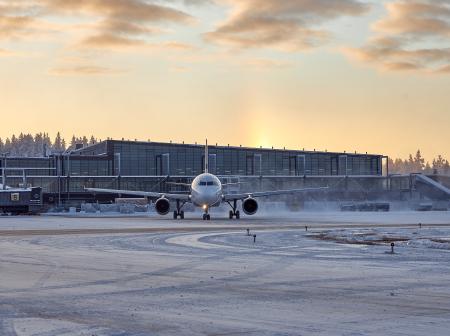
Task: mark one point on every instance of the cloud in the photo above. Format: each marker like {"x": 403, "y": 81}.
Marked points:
{"x": 113, "y": 23}
{"x": 124, "y": 43}
{"x": 417, "y": 18}
{"x": 264, "y": 64}
{"x": 109, "y": 41}
{"x": 84, "y": 70}
{"x": 414, "y": 36}
{"x": 121, "y": 24}
{"x": 175, "y": 45}
{"x": 6, "y": 53}
{"x": 179, "y": 68}
{"x": 198, "y": 2}
{"x": 139, "y": 11}
{"x": 444, "y": 70}
{"x": 23, "y": 19}
{"x": 14, "y": 25}
{"x": 289, "y": 25}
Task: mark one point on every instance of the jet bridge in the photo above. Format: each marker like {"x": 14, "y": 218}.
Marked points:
{"x": 430, "y": 187}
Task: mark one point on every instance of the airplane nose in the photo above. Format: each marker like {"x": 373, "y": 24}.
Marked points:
{"x": 207, "y": 199}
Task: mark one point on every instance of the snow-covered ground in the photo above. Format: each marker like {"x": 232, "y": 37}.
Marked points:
{"x": 215, "y": 280}
{"x": 220, "y": 219}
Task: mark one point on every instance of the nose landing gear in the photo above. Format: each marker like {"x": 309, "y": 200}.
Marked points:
{"x": 206, "y": 215}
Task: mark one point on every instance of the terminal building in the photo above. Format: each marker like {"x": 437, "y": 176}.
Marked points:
{"x": 146, "y": 166}
{"x": 161, "y": 159}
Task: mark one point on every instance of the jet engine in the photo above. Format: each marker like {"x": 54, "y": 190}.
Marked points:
{"x": 250, "y": 206}
{"x": 162, "y": 206}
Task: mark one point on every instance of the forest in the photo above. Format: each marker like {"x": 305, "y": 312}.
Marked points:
{"x": 40, "y": 144}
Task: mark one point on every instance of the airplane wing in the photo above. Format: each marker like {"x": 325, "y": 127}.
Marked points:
{"x": 232, "y": 197}
{"x": 175, "y": 197}
{"x": 233, "y": 183}
{"x": 187, "y": 185}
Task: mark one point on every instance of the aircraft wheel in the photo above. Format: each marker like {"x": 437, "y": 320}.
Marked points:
{"x": 231, "y": 215}
{"x": 208, "y": 217}
{"x": 238, "y": 215}
{"x": 175, "y": 215}
{"x": 204, "y": 216}
{"x": 182, "y": 214}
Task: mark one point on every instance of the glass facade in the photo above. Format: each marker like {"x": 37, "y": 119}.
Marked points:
{"x": 87, "y": 166}
{"x": 32, "y": 166}
{"x": 140, "y": 159}
{"x": 162, "y": 159}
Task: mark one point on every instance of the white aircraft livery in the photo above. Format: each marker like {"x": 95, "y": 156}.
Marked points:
{"x": 206, "y": 191}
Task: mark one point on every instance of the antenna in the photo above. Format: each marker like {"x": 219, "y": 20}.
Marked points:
{"x": 206, "y": 157}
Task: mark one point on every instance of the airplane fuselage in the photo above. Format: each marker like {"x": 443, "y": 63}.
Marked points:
{"x": 206, "y": 191}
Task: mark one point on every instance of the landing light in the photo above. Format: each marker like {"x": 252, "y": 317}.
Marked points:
{"x": 205, "y": 207}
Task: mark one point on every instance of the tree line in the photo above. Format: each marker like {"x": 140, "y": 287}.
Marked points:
{"x": 40, "y": 144}
{"x": 418, "y": 164}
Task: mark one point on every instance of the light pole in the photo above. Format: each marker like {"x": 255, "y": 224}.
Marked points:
{"x": 119, "y": 164}
{"x": 4, "y": 155}
{"x": 67, "y": 154}
{"x": 63, "y": 157}
{"x": 119, "y": 168}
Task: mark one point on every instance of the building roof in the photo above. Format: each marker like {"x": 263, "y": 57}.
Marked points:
{"x": 105, "y": 142}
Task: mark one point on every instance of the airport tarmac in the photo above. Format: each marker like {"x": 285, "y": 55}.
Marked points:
{"x": 156, "y": 276}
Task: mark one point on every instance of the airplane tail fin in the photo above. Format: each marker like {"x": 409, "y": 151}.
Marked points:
{"x": 206, "y": 157}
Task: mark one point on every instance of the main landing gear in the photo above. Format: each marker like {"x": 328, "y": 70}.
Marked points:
{"x": 178, "y": 212}
{"x": 234, "y": 213}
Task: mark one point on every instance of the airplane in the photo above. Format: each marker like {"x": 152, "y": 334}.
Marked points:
{"x": 206, "y": 191}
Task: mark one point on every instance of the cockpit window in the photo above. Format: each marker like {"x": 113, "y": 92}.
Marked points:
{"x": 207, "y": 183}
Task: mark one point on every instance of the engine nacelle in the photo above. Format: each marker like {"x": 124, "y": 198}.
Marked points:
{"x": 249, "y": 206}
{"x": 162, "y": 206}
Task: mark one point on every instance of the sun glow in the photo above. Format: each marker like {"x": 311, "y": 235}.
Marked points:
{"x": 263, "y": 141}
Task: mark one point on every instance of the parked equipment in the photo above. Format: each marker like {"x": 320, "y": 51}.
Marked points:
{"x": 21, "y": 201}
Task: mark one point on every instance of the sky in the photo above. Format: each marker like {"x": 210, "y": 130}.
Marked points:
{"x": 336, "y": 75}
